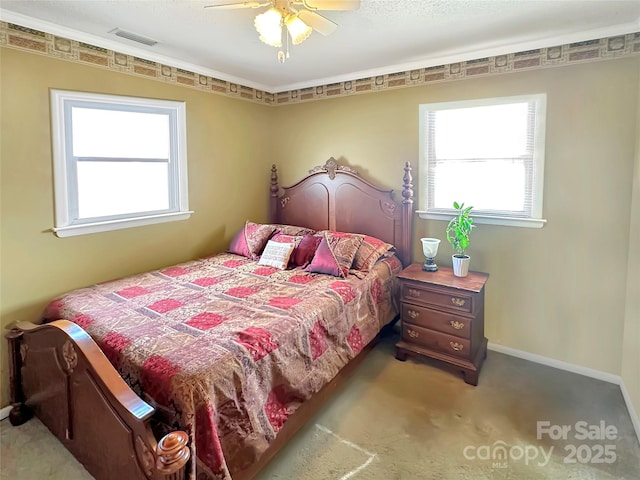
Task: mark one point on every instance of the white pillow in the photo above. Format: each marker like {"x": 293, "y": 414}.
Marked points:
{"x": 276, "y": 254}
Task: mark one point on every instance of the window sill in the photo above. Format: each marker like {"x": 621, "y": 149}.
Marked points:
{"x": 86, "y": 228}
{"x": 489, "y": 220}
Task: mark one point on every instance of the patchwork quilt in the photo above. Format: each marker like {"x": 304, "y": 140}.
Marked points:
{"x": 229, "y": 349}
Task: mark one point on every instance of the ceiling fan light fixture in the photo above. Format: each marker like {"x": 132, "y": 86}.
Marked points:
{"x": 299, "y": 17}
{"x": 298, "y": 30}
{"x": 269, "y": 27}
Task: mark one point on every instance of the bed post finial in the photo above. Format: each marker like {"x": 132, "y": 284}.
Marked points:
{"x": 273, "y": 196}
{"x": 173, "y": 453}
{"x": 20, "y": 413}
{"x": 407, "y": 214}
{"x": 407, "y": 188}
{"x": 274, "y": 180}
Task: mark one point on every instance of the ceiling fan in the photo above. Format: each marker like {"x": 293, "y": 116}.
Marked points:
{"x": 299, "y": 17}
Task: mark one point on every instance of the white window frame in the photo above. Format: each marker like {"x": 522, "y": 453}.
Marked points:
{"x": 65, "y": 165}
{"x": 534, "y": 220}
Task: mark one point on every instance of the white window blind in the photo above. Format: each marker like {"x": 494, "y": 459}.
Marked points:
{"x": 118, "y": 162}
{"x": 486, "y": 153}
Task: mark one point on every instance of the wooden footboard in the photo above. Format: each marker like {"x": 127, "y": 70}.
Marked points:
{"x": 60, "y": 374}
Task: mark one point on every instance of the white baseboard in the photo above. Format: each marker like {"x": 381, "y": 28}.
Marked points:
{"x": 4, "y": 412}
{"x": 632, "y": 411}
{"x": 559, "y": 364}
{"x": 571, "y": 367}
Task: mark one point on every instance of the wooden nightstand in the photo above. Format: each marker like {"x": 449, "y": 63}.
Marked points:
{"x": 442, "y": 317}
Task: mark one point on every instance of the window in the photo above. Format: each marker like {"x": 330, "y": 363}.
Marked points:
{"x": 118, "y": 162}
{"x": 486, "y": 153}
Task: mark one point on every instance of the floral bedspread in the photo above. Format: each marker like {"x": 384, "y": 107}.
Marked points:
{"x": 231, "y": 348}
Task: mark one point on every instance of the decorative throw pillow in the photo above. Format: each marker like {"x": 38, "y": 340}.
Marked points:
{"x": 304, "y": 252}
{"x": 276, "y": 254}
{"x": 295, "y": 240}
{"x": 370, "y": 251}
{"x": 284, "y": 238}
{"x": 293, "y": 230}
{"x": 251, "y": 239}
{"x": 335, "y": 253}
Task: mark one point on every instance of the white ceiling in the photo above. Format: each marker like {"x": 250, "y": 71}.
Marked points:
{"x": 383, "y": 36}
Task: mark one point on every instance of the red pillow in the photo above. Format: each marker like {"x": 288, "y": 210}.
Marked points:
{"x": 324, "y": 262}
{"x": 251, "y": 239}
{"x": 335, "y": 253}
{"x": 304, "y": 252}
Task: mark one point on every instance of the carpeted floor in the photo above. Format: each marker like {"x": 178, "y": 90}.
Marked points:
{"x": 416, "y": 420}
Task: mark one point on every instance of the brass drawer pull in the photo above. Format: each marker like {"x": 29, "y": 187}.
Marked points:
{"x": 413, "y": 313}
{"x": 456, "y": 346}
{"x": 457, "y": 325}
{"x": 414, "y": 293}
{"x": 413, "y": 333}
{"x": 458, "y": 302}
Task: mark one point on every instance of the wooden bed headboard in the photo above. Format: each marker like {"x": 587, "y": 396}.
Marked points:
{"x": 334, "y": 197}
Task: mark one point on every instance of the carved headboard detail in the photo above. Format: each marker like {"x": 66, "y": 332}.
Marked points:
{"x": 335, "y": 197}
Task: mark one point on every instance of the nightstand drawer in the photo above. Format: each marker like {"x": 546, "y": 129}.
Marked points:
{"x": 435, "y": 320}
{"x": 442, "y": 342}
{"x": 455, "y": 303}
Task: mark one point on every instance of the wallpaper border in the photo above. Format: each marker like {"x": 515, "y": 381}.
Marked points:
{"x": 35, "y": 41}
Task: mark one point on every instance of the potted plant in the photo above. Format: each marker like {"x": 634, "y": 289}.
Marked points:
{"x": 458, "y": 232}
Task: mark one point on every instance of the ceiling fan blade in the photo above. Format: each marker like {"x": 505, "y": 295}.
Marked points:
{"x": 318, "y": 22}
{"x": 232, "y": 4}
{"x": 332, "y": 4}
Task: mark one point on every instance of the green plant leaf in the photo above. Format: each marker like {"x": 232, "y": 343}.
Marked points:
{"x": 459, "y": 228}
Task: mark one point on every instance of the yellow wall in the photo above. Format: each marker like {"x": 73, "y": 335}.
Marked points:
{"x": 228, "y": 172}
{"x": 558, "y": 291}
{"x": 631, "y": 345}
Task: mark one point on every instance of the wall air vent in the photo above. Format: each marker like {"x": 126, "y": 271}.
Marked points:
{"x": 133, "y": 37}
